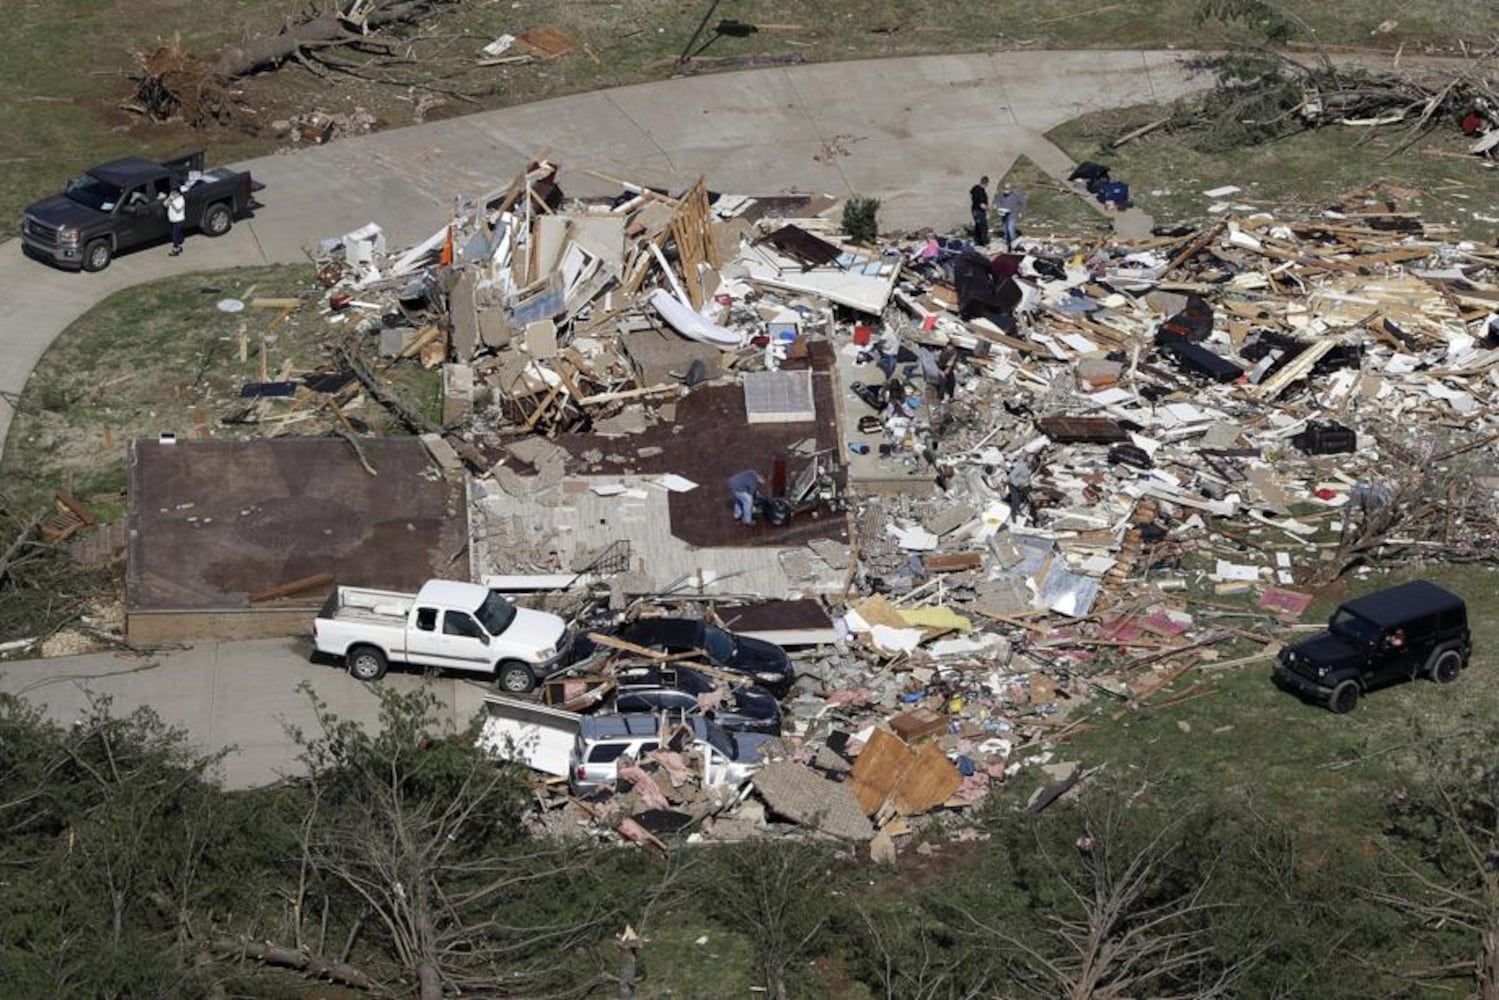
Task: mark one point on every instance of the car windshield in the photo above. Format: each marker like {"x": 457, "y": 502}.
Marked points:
{"x": 722, "y": 741}
{"x": 495, "y": 614}
{"x": 1351, "y": 626}
{"x": 89, "y": 190}
{"x": 718, "y": 644}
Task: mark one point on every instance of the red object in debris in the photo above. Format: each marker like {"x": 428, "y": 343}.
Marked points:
{"x": 724, "y": 299}
{"x": 1291, "y": 602}
{"x": 862, "y": 335}
{"x": 1326, "y": 494}
{"x": 339, "y": 300}
{"x": 1472, "y": 123}
{"x": 929, "y": 323}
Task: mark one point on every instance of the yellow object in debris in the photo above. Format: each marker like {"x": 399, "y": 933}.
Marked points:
{"x": 938, "y": 618}
{"x": 955, "y": 705}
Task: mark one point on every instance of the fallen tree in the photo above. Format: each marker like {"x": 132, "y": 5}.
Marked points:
{"x": 1264, "y": 92}
{"x": 171, "y": 83}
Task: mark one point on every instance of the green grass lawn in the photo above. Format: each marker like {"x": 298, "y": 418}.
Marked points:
{"x": 1301, "y": 174}
{"x": 1327, "y": 776}
{"x": 163, "y": 357}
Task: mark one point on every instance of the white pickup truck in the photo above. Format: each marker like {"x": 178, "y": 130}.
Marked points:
{"x": 459, "y": 626}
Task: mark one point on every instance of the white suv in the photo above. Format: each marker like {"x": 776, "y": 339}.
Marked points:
{"x": 728, "y": 758}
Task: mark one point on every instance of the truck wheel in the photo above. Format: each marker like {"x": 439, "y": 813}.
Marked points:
{"x": 515, "y": 678}
{"x": 1344, "y": 698}
{"x": 366, "y": 663}
{"x": 217, "y": 220}
{"x": 1447, "y": 668}
{"x": 97, "y": 255}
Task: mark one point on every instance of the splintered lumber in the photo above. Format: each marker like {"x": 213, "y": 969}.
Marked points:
{"x": 1190, "y": 250}
{"x": 691, "y": 229}
{"x": 888, "y": 774}
{"x": 425, "y": 336}
{"x": 1297, "y": 369}
{"x": 412, "y": 418}
{"x": 291, "y": 587}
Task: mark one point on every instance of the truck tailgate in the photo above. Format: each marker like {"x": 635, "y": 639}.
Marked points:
{"x": 528, "y": 733}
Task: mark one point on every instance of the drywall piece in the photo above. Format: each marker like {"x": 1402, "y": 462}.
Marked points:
{"x": 779, "y": 397}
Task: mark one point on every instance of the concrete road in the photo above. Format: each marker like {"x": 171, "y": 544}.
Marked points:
{"x": 915, "y": 133}
{"x": 240, "y": 696}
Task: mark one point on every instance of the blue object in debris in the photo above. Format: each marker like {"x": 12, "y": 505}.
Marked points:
{"x": 912, "y": 697}
{"x": 966, "y": 767}
{"x": 859, "y": 448}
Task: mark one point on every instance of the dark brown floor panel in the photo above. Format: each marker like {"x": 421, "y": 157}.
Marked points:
{"x": 711, "y": 440}
{"x": 213, "y": 521}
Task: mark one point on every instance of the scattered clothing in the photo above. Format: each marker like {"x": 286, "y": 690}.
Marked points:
{"x": 1113, "y": 192}
{"x": 1090, "y": 173}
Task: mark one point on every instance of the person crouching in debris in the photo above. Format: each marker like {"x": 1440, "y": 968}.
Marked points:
{"x": 978, "y": 197}
{"x": 745, "y": 486}
{"x": 1012, "y": 207}
{"x": 177, "y": 216}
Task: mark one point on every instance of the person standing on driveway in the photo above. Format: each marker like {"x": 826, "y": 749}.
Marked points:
{"x": 1012, "y": 207}
{"x": 177, "y": 216}
{"x": 745, "y": 485}
{"x": 978, "y": 197}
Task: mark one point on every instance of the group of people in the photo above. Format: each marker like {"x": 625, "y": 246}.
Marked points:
{"x": 1008, "y": 202}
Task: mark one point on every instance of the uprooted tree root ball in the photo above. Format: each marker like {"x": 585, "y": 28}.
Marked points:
{"x": 173, "y": 84}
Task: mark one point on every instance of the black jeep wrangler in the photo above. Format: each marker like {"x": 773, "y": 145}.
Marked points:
{"x": 1393, "y": 635}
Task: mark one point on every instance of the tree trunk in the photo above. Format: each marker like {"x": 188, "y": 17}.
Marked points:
{"x": 270, "y": 51}
{"x": 428, "y": 973}
{"x": 1488, "y": 967}
{"x": 172, "y": 83}
{"x": 303, "y": 961}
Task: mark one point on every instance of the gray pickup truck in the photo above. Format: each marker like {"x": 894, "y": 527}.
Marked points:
{"x": 121, "y": 205}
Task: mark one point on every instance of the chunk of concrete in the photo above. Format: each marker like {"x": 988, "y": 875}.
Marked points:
{"x": 806, "y": 798}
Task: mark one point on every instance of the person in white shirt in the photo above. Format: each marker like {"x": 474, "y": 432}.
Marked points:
{"x": 177, "y": 216}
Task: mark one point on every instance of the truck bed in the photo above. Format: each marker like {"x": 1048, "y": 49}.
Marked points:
{"x": 360, "y": 606}
{"x": 370, "y": 607}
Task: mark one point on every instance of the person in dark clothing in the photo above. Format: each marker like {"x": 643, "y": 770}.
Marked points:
{"x": 947, "y": 365}
{"x": 978, "y": 197}
{"x": 745, "y": 486}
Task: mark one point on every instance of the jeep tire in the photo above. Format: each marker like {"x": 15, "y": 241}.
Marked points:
{"x": 1344, "y": 698}
{"x": 1448, "y": 666}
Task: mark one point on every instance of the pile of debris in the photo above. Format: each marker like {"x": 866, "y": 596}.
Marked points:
{"x": 1077, "y": 471}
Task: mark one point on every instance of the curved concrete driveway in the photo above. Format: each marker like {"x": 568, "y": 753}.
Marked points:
{"x": 917, "y": 132}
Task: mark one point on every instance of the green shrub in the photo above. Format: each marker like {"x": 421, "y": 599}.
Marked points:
{"x": 859, "y": 219}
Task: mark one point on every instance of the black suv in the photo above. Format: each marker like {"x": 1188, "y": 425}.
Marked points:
{"x": 1407, "y": 631}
